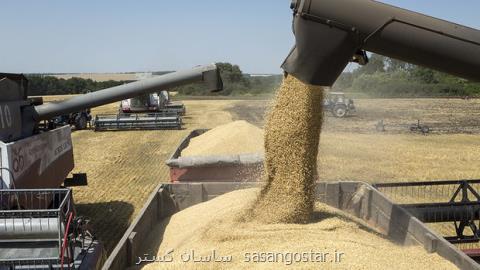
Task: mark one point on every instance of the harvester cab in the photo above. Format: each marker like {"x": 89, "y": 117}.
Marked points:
{"x": 143, "y": 103}
{"x": 39, "y": 228}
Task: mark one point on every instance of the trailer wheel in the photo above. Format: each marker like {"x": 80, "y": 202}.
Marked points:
{"x": 81, "y": 122}
{"x": 425, "y": 130}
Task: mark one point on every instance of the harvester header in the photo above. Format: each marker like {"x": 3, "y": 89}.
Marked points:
{"x": 330, "y": 33}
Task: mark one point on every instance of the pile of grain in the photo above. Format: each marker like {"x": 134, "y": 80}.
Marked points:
{"x": 239, "y": 137}
{"x": 292, "y": 133}
{"x": 214, "y": 225}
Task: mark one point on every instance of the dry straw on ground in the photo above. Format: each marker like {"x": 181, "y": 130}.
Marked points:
{"x": 125, "y": 167}
{"x": 239, "y": 137}
{"x": 292, "y": 133}
{"x": 215, "y": 225}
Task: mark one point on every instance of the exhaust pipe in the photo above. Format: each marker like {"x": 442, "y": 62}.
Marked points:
{"x": 331, "y": 33}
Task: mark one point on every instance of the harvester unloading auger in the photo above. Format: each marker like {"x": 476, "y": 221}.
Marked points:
{"x": 331, "y": 33}
{"x": 39, "y": 228}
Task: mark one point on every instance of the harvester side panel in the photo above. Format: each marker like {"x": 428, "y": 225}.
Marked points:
{"x": 43, "y": 160}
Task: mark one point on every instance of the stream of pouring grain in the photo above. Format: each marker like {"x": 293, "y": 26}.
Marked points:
{"x": 292, "y": 134}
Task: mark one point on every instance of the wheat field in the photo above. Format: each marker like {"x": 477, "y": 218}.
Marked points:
{"x": 124, "y": 167}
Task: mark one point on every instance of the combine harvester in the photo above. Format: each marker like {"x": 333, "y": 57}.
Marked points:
{"x": 39, "y": 227}
{"x": 147, "y": 111}
{"x": 329, "y": 34}
{"x": 152, "y": 103}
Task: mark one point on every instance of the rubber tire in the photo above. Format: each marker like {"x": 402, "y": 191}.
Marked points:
{"x": 339, "y": 111}
{"x": 81, "y": 122}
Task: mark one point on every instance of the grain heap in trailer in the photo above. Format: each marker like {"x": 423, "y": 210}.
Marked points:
{"x": 39, "y": 227}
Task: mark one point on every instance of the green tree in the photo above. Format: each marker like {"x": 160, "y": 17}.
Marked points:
{"x": 387, "y": 77}
{"x": 423, "y": 75}
{"x": 49, "y": 85}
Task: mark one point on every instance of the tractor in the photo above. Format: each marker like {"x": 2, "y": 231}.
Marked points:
{"x": 338, "y": 104}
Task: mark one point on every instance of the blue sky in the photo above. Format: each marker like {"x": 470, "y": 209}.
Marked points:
{"x": 119, "y": 35}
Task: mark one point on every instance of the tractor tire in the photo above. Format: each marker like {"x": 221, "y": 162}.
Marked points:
{"x": 81, "y": 122}
{"x": 339, "y": 111}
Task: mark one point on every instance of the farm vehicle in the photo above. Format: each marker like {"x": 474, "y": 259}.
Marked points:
{"x": 338, "y": 104}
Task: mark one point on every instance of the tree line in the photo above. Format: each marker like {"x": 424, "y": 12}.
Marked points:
{"x": 390, "y": 78}
{"x": 382, "y": 77}
{"x": 235, "y": 83}
{"x": 39, "y": 85}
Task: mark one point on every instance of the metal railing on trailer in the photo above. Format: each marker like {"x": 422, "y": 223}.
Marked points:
{"x": 450, "y": 207}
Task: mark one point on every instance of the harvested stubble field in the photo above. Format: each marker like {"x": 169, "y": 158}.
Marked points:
{"x": 124, "y": 167}
{"x": 353, "y": 150}
{"x": 443, "y": 115}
